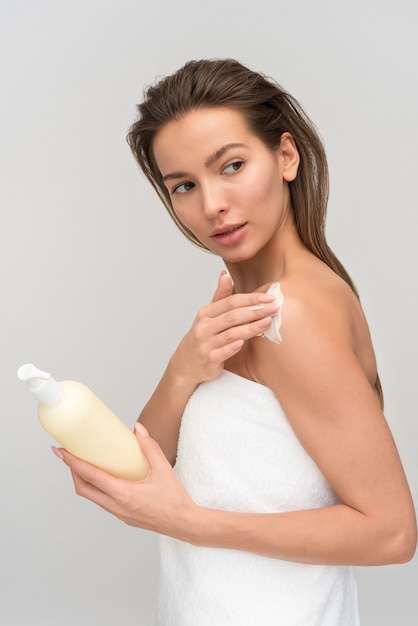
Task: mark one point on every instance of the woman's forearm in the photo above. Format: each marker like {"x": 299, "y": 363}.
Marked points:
{"x": 163, "y": 412}
{"x": 336, "y": 535}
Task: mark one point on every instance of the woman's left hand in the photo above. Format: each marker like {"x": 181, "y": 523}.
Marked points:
{"x": 158, "y": 503}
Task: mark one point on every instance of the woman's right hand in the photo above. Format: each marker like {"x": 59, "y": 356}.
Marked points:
{"x": 217, "y": 334}
{"x": 220, "y": 330}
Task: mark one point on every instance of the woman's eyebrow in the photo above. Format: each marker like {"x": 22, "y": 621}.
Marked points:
{"x": 209, "y": 161}
{"x": 175, "y": 175}
{"x": 218, "y": 153}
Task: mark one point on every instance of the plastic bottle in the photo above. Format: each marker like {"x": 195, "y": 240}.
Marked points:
{"x": 84, "y": 425}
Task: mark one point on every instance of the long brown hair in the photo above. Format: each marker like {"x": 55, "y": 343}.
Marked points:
{"x": 269, "y": 112}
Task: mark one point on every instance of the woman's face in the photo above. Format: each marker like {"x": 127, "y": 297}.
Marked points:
{"x": 225, "y": 185}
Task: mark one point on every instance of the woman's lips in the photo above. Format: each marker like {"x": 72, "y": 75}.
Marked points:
{"x": 230, "y": 234}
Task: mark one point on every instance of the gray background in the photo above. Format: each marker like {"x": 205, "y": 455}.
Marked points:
{"x": 98, "y": 286}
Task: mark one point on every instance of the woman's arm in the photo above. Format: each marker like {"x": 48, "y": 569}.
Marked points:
{"x": 335, "y": 414}
{"x": 337, "y": 534}
{"x": 374, "y": 524}
{"x": 217, "y": 333}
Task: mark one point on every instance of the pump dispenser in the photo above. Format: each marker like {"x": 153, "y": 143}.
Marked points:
{"x": 75, "y": 417}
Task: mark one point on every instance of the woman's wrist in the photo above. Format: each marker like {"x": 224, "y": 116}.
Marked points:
{"x": 196, "y": 525}
{"x": 182, "y": 378}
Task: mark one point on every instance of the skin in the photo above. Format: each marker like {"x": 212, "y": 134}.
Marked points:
{"x": 323, "y": 373}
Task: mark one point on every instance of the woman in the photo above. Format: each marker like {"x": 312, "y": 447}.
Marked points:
{"x": 286, "y": 474}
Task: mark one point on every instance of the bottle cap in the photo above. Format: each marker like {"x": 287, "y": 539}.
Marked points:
{"x": 40, "y": 383}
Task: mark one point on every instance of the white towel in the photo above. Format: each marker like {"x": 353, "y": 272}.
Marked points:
{"x": 238, "y": 452}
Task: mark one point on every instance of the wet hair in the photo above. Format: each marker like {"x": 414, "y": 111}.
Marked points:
{"x": 269, "y": 112}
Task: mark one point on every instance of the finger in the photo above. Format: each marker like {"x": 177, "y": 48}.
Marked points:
{"x": 233, "y": 302}
{"x": 90, "y": 473}
{"x": 247, "y": 316}
{"x": 110, "y": 502}
{"x": 95, "y": 485}
{"x": 152, "y": 451}
{"x": 230, "y": 341}
{"x": 224, "y": 287}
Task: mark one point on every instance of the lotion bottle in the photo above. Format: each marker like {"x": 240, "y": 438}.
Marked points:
{"x": 75, "y": 417}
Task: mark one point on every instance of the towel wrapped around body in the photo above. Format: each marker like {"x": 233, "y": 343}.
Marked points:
{"x": 237, "y": 452}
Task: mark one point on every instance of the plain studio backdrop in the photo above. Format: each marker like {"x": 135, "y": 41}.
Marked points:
{"x": 97, "y": 285}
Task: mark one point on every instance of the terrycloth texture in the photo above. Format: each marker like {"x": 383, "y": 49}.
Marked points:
{"x": 238, "y": 452}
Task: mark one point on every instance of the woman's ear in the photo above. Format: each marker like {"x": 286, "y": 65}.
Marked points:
{"x": 289, "y": 157}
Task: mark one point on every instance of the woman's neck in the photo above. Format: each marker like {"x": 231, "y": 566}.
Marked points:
{"x": 270, "y": 265}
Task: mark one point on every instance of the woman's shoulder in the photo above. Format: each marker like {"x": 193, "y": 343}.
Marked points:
{"x": 316, "y": 295}
{"x": 320, "y": 313}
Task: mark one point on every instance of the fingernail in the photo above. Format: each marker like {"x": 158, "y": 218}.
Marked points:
{"x": 256, "y": 307}
{"x": 265, "y": 297}
{"x": 57, "y": 453}
{"x": 266, "y": 321}
{"x": 226, "y": 273}
{"x": 237, "y": 345}
{"x": 140, "y": 428}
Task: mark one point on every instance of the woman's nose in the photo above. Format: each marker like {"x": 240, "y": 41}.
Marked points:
{"x": 214, "y": 201}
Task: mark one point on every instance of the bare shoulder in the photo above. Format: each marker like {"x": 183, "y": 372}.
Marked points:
{"x": 321, "y": 298}
{"x": 323, "y": 373}
{"x": 321, "y": 318}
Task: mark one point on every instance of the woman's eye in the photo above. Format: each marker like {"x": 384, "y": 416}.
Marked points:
{"x": 183, "y": 188}
{"x": 233, "y": 167}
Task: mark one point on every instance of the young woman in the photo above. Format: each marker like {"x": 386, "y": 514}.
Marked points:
{"x": 285, "y": 472}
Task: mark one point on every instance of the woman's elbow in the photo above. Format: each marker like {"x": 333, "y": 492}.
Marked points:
{"x": 403, "y": 541}
{"x": 407, "y": 544}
